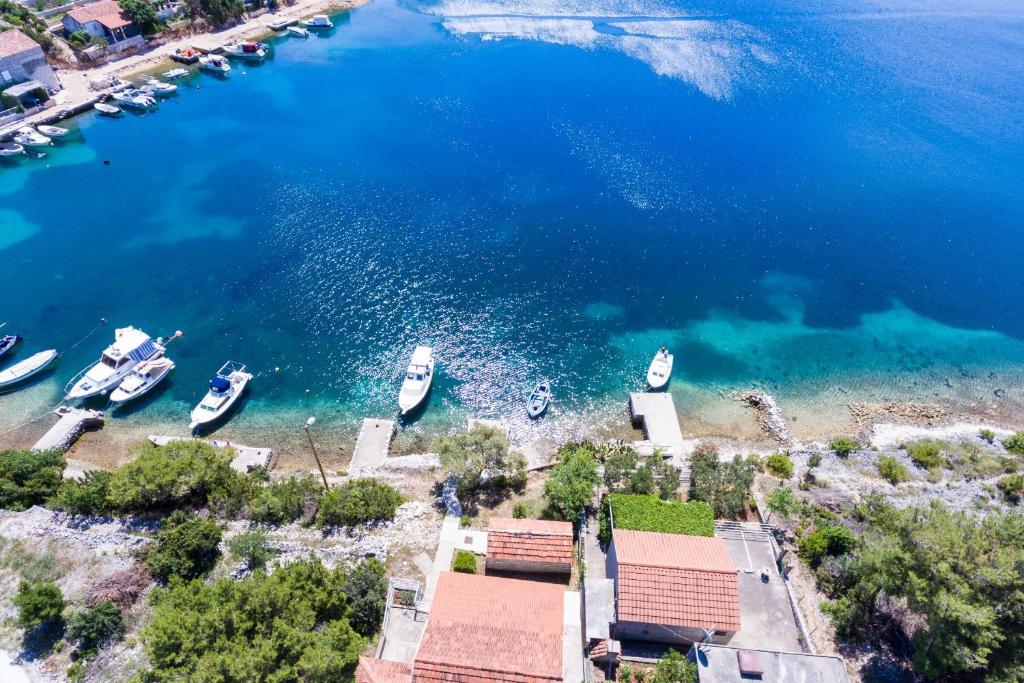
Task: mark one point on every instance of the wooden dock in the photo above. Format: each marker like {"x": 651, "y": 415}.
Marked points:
{"x": 246, "y": 457}
{"x": 372, "y": 446}
{"x": 656, "y": 414}
{"x": 72, "y": 422}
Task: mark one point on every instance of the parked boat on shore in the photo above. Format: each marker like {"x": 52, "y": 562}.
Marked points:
{"x": 298, "y": 31}
{"x": 142, "y": 379}
{"x": 11, "y": 149}
{"x": 660, "y": 370}
{"x": 23, "y": 370}
{"x": 187, "y": 55}
{"x": 107, "y": 109}
{"x": 418, "y": 378}
{"x": 131, "y": 347}
{"x": 318, "y": 21}
{"x": 29, "y": 137}
{"x": 226, "y": 388}
{"x": 215, "y": 64}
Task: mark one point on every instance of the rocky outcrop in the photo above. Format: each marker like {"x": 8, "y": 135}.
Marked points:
{"x": 770, "y": 417}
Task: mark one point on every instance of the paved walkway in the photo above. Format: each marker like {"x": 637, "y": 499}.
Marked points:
{"x": 451, "y": 536}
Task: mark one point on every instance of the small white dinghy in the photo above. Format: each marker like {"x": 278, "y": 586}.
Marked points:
{"x": 225, "y": 389}
{"x": 417, "y": 381}
{"x": 52, "y": 131}
{"x": 298, "y": 31}
{"x": 660, "y": 369}
{"x": 142, "y": 379}
{"x": 107, "y": 109}
{"x": 176, "y": 73}
{"x": 21, "y": 371}
{"x": 29, "y": 137}
{"x": 539, "y": 399}
{"x": 11, "y": 149}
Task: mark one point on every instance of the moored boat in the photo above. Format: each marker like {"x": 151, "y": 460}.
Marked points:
{"x": 107, "y": 109}
{"x": 134, "y": 98}
{"x": 176, "y": 73}
{"x": 55, "y": 132}
{"x": 281, "y": 24}
{"x": 158, "y": 88}
{"x": 8, "y": 342}
{"x": 143, "y": 378}
{"x": 226, "y": 388}
{"x": 660, "y": 370}
{"x": 317, "y": 21}
{"x": 249, "y": 50}
{"x": 539, "y": 399}
{"x": 214, "y": 64}
{"x": 418, "y": 378}
{"x": 11, "y": 149}
{"x": 131, "y": 347}
{"x": 298, "y": 31}
{"x": 29, "y": 137}
{"x": 23, "y": 370}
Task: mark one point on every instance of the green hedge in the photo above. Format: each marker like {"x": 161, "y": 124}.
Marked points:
{"x": 465, "y": 562}
{"x": 650, "y": 513}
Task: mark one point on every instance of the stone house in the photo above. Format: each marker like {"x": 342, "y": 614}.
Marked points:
{"x": 21, "y": 60}
{"x": 104, "y": 20}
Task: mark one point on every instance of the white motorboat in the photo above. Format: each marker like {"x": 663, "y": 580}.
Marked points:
{"x": 52, "y": 131}
{"x": 539, "y": 399}
{"x": 280, "y": 24}
{"x": 158, "y": 88}
{"x": 134, "y": 98}
{"x": 130, "y": 347}
{"x": 317, "y": 21}
{"x": 176, "y": 73}
{"x": 225, "y": 389}
{"x": 29, "y": 137}
{"x": 107, "y": 109}
{"x": 214, "y": 64}
{"x": 249, "y": 50}
{"x": 11, "y": 149}
{"x": 417, "y": 381}
{"x": 660, "y": 369}
{"x": 142, "y": 379}
{"x": 22, "y": 370}
{"x": 298, "y": 31}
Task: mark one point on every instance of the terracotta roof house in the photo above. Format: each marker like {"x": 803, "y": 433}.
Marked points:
{"x": 486, "y": 628}
{"x": 529, "y": 545}
{"x": 106, "y": 20}
{"x": 382, "y": 671}
{"x": 21, "y": 60}
{"x": 718, "y": 664}
{"x": 668, "y": 587}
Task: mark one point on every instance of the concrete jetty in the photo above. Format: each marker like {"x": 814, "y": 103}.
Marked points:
{"x": 372, "y": 445}
{"x": 72, "y": 422}
{"x": 656, "y": 414}
{"x": 246, "y": 457}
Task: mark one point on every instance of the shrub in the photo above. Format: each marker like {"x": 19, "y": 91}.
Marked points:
{"x": 892, "y": 470}
{"x": 674, "y": 667}
{"x": 926, "y": 454}
{"x": 824, "y": 541}
{"x": 780, "y": 465}
{"x": 987, "y": 435}
{"x": 619, "y": 464}
{"x": 284, "y": 501}
{"x": 1015, "y": 443}
{"x": 783, "y": 501}
{"x": 40, "y": 603}
{"x": 366, "y": 586}
{"x": 570, "y": 487}
{"x": 843, "y": 446}
{"x": 94, "y": 626}
{"x": 85, "y": 497}
{"x": 252, "y": 547}
{"x": 465, "y": 562}
{"x": 725, "y": 486}
{"x": 469, "y": 455}
{"x": 519, "y": 511}
{"x": 356, "y": 502}
{"x": 186, "y": 546}
{"x": 813, "y": 460}
{"x": 1012, "y": 486}
{"x": 291, "y": 625}
{"x": 28, "y": 478}
{"x": 650, "y": 513}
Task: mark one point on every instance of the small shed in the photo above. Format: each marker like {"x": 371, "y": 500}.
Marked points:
{"x": 529, "y": 545}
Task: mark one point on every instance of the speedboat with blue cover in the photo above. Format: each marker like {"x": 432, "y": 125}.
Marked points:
{"x": 226, "y": 388}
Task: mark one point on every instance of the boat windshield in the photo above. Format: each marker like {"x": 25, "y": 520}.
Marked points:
{"x": 108, "y": 361}
{"x": 415, "y": 376}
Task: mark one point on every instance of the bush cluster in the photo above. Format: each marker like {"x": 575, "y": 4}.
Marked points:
{"x": 465, "y": 562}
{"x": 356, "y": 502}
{"x": 926, "y": 454}
{"x": 724, "y": 485}
{"x": 481, "y": 456}
{"x": 825, "y": 541}
{"x": 892, "y": 470}
{"x": 186, "y": 547}
{"x": 29, "y": 478}
{"x": 780, "y": 465}
{"x": 843, "y": 446}
{"x": 1014, "y": 443}
{"x": 570, "y": 487}
{"x": 650, "y": 513}
{"x": 625, "y": 473}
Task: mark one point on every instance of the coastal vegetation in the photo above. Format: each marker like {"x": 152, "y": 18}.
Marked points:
{"x": 356, "y": 502}
{"x": 252, "y": 547}
{"x": 219, "y": 12}
{"x": 843, "y": 446}
{"x": 650, "y": 513}
{"x": 779, "y": 465}
{"x": 187, "y": 547}
{"x": 480, "y": 458}
{"x": 29, "y": 478}
{"x": 892, "y": 470}
{"x": 570, "y": 488}
{"x": 142, "y": 14}
{"x": 625, "y": 473}
{"x": 92, "y": 627}
{"x": 723, "y": 485}
{"x": 464, "y": 562}
{"x": 28, "y": 22}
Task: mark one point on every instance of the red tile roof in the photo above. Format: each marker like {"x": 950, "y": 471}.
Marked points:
{"x": 531, "y": 540}
{"x": 675, "y": 579}
{"x": 485, "y": 628}
{"x": 106, "y": 12}
{"x": 14, "y": 41}
{"x": 372, "y": 670}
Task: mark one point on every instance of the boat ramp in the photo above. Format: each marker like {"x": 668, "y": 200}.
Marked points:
{"x": 72, "y": 422}
{"x": 656, "y": 414}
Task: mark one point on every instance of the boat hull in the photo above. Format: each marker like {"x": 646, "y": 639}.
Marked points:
{"x": 659, "y": 373}
{"x": 411, "y": 403}
{"x": 118, "y": 396}
{"x": 200, "y": 418}
{"x": 28, "y": 368}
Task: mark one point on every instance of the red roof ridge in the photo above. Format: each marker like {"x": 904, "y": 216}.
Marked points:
{"x": 542, "y": 527}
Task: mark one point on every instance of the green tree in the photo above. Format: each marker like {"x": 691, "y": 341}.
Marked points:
{"x": 39, "y": 604}
{"x": 94, "y": 626}
{"x": 674, "y": 667}
{"x": 358, "y": 501}
{"x": 142, "y": 14}
{"x": 780, "y": 465}
{"x": 1015, "y": 443}
{"x": 667, "y": 477}
{"x": 570, "y": 488}
{"x": 783, "y": 502}
{"x": 85, "y": 497}
{"x": 280, "y": 502}
{"x": 826, "y": 540}
{"x": 619, "y": 465}
{"x": 843, "y": 446}
{"x": 219, "y": 12}
{"x": 252, "y": 547}
{"x": 366, "y": 586}
{"x": 725, "y": 486}
{"x": 186, "y": 546}
{"x": 28, "y": 478}
{"x": 468, "y": 455}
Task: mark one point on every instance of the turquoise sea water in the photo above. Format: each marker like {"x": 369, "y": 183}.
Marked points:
{"x": 823, "y": 199}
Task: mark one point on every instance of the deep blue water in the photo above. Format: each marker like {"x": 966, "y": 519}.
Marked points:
{"x": 824, "y": 199}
